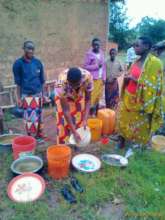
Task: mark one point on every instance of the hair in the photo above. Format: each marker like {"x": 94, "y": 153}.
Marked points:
{"x": 112, "y": 49}
{"x": 74, "y": 75}
{"x": 146, "y": 41}
{"x": 27, "y": 42}
{"x": 95, "y": 39}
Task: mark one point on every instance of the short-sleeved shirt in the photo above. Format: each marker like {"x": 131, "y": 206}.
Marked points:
{"x": 64, "y": 89}
{"x": 29, "y": 75}
{"x": 131, "y": 55}
{"x": 114, "y": 69}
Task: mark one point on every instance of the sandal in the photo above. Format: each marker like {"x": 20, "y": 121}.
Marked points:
{"x": 76, "y": 185}
{"x": 67, "y": 194}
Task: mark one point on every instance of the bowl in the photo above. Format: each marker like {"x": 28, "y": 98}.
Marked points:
{"x": 32, "y": 164}
{"x": 85, "y": 135}
{"x": 114, "y": 160}
{"x": 6, "y": 141}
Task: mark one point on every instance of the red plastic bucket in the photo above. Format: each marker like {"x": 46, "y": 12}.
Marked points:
{"x": 23, "y": 144}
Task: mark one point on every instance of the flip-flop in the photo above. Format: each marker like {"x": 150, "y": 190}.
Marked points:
{"x": 67, "y": 194}
{"x": 76, "y": 185}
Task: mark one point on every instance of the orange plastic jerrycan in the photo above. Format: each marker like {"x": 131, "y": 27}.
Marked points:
{"x": 108, "y": 119}
{"x": 95, "y": 126}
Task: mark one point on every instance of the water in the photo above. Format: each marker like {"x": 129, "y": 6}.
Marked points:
{"x": 27, "y": 166}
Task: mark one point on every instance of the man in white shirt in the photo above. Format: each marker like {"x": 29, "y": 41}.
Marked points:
{"x": 131, "y": 56}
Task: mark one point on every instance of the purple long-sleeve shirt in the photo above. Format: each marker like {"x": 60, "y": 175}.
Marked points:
{"x": 92, "y": 63}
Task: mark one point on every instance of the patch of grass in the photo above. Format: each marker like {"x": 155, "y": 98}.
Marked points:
{"x": 140, "y": 186}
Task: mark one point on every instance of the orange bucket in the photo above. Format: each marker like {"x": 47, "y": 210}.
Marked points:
{"x": 59, "y": 157}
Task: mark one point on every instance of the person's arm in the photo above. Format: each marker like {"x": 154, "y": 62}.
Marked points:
{"x": 121, "y": 70}
{"x": 104, "y": 70}
{"x": 65, "y": 108}
{"x": 129, "y": 77}
{"x": 42, "y": 75}
{"x": 42, "y": 79}
{"x": 19, "y": 102}
{"x": 17, "y": 79}
{"x": 88, "y": 65}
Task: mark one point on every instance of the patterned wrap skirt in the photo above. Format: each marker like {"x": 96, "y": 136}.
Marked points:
{"x": 32, "y": 106}
{"x": 76, "y": 108}
{"x": 97, "y": 92}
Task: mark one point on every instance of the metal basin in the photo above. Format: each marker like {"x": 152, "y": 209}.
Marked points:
{"x": 6, "y": 141}
{"x": 32, "y": 164}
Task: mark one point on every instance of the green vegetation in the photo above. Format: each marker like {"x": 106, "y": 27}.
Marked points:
{"x": 151, "y": 27}
{"x": 139, "y": 188}
{"x": 119, "y": 30}
{"x": 121, "y": 33}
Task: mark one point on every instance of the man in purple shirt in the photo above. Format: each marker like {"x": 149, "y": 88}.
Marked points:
{"x": 95, "y": 64}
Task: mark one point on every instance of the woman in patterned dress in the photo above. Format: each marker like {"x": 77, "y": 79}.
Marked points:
{"x": 140, "y": 112}
{"x": 72, "y": 99}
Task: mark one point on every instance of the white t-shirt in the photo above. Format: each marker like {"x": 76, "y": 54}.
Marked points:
{"x": 131, "y": 55}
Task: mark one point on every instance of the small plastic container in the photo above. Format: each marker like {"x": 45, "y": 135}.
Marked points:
{"x": 95, "y": 126}
{"x": 23, "y": 145}
{"x": 59, "y": 157}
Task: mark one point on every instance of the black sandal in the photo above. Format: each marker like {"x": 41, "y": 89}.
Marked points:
{"x": 76, "y": 185}
{"x": 67, "y": 194}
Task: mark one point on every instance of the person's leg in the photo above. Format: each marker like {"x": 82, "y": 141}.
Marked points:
{"x": 121, "y": 142}
{"x": 62, "y": 128}
{"x": 31, "y": 114}
{"x": 40, "y": 124}
{"x": 97, "y": 108}
{"x": 93, "y": 111}
{"x": 115, "y": 95}
{"x": 93, "y": 99}
{"x": 107, "y": 95}
{"x": 96, "y": 96}
{"x": 40, "y": 135}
